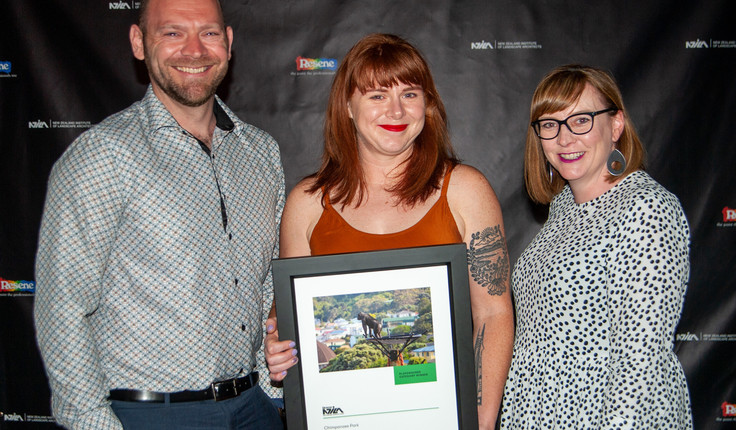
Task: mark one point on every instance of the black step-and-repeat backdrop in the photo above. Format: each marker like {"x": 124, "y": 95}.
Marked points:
{"x": 66, "y": 64}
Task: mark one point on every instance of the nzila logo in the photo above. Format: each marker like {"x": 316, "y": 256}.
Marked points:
{"x": 729, "y": 409}
{"x": 331, "y": 410}
{"x": 729, "y": 215}
{"x": 696, "y": 44}
{"x": 481, "y": 45}
{"x": 38, "y": 124}
{"x": 12, "y": 417}
{"x": 686, "y": 337}
{"x": 122, "y": 4}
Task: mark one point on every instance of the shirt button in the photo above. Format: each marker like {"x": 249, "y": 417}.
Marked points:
{"x": 230, "y": 236}
{"x": 242, "y": 327}
{"x": 236, "y": 281}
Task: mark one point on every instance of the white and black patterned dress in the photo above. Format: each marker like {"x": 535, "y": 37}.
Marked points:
{"x": 598, "y": 295}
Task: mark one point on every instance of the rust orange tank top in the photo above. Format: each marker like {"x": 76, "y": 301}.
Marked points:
{"x": 333, "y": 235}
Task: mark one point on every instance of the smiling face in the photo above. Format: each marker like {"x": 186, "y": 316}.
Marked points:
{"x": 581, "y": 159}
{"x": 186, "y": 47}
{"x": 387, "y": 120}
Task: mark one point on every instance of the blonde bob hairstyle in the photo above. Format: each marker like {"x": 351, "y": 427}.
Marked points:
{"x": 559, "y": 90}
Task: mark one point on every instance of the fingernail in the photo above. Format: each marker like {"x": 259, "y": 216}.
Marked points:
{"x": 293, "y": 352}
{"x": 292, "y": 344}
{"x": 270, "y": 327}
{"x": 284, "y": 373}
{"x": 294, "y": 360}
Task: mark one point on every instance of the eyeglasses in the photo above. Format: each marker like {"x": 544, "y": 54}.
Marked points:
{"x": 580, "y": 123}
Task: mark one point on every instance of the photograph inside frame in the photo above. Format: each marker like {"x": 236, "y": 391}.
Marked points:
{"x": 390, "y": 328}
{"x": 386, "y": 348}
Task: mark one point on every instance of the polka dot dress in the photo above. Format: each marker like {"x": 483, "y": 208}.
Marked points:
{"x": 598, "y": 295}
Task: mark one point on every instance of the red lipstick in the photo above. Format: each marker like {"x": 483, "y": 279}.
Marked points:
{"x": 396, "y": 128}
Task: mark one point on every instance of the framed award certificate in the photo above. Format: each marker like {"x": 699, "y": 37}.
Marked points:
{"x": 384, "y": 339}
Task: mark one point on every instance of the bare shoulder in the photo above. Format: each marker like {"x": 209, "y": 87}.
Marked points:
{"x": 303, "y": 206}
{"x": 472, "y": 201}
{"x": 465, "y": 174}
{"x": 301, "y": 213}
{"x": 468, "y": 186}
{"x": 301, "y": 198}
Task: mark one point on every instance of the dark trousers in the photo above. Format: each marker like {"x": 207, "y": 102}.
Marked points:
{"x": 252, "y": 410}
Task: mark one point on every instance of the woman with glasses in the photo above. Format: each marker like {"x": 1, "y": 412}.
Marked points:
{"x": 599, "y": 291}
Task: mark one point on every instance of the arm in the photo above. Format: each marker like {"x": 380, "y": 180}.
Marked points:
{"x": 301, "y": 213}
{"x": 78, "y": 228}
{"x": 647, "y": 277}
{"x": 272, "y": 390}
{"x": 478, "y": 215}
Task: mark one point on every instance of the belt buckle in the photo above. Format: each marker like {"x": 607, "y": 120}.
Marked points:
{"x": 224, "y": 390}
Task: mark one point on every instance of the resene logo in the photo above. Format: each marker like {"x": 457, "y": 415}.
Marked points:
{"x": 8, "y": 286}
{"x": 315, "y": 63}
{"x": 729, "y": 215}
{"x": 5, "y": 67}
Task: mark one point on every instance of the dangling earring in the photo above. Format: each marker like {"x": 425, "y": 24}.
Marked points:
{"x": 549, "y": 166}
{"x": 616, "y": 163}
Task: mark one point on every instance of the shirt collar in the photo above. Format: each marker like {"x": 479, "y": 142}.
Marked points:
{"x": 222, "y": 120}
{"x": 160, "y": 117}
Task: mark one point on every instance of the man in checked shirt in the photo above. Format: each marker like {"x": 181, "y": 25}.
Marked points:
{"x": 153, "y": 267}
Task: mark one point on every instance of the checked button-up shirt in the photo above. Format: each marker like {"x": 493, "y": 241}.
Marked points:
{"x": 153, "y": 266}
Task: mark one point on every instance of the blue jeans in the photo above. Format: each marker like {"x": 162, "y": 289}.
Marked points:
{"x": 250, "y": 410}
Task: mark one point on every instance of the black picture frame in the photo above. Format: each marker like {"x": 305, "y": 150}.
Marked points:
{"x": 298, "y": 279}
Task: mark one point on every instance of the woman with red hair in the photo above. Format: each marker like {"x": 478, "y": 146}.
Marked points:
{"x": 390, "y": 179}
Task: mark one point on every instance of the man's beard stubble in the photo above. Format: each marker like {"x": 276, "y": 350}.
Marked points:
{"x": 192, "y": 95}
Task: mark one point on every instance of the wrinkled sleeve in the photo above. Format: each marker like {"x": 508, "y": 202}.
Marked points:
{"x": 83, "y": 205}
{"x": 648, "y": 272}
{"x": 268, "y": 290}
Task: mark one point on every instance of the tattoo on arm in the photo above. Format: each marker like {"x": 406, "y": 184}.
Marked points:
{"x": 488, "y": 260}
{"x": 479, "y": 347}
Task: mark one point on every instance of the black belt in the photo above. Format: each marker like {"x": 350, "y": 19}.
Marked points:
{"x": 219, "y": 390}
